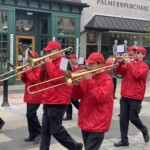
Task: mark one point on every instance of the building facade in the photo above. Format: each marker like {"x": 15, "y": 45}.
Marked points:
{"x": 108, "y": 22}
{"x": 32, "y": 23}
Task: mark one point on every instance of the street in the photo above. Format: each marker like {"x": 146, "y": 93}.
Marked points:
{"x": 15, "y": 130}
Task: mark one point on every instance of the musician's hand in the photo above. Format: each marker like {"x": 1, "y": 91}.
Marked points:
{"x": 28, "y": 67}
{"x": 127, "y": 60}
{"x": 76, "y": 82}
{"x": 88, "y": 76}
{"x": 48, "y": 59}
{"x": 24, "y": 69}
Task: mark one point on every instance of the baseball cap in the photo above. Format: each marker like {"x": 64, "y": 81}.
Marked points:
{"x": 35, "y": 54}
{"x": 141, "y": 49}
{"x": 52, "y": 45}
{"x": 132, "y": 48}
{"x": 95, "y": 57}
{"x": 72, "y": 56}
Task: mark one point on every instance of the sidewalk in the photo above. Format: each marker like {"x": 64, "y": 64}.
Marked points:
{"x": 15, "y": 118}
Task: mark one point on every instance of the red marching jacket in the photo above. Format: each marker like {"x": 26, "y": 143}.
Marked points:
{"x": 29, "y": 78}
{"x": 60, "y": 94}
{"x": 96, "y": 104}
{"x": 134, "y": 79}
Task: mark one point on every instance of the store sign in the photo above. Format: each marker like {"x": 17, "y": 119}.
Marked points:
{"x": 11, "y": 49}
{"x": 123, "y": 5}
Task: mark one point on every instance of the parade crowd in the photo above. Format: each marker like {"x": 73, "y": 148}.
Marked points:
{"x": 90, "y": 87}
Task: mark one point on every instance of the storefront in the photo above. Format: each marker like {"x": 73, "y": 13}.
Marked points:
{"x": 32, "y": 23}
{"x": 108, "y": 21}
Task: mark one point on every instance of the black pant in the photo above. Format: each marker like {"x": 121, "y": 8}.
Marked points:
{"x": 92, "y": 140}
{"x": 1, "y": 121}
{"x": 69, "y": 108}
{"x": 32, "y": 120}
{"x": 52, "y": 125}
{"x": 115, "y": 84}
{"x": 129, "y": 111}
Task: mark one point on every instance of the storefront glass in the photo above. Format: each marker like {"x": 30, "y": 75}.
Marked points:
{"x": 3, "y": 20}
{"x": 65, "y": 26}
{"x": 3, "y": 52}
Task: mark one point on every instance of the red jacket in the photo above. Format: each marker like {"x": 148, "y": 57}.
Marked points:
{"x": 60, "y": 94}
{"x": 96, "y": 105}
{"x": 134, "y": 79}
{"x": 29, "y": 78}
{"x": 76, "y": 68}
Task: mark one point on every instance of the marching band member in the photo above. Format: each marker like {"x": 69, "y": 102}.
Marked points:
{"x": 96, "y": 104}
{"x": 30, "y": 77}
{"x": 132, "y": 94}
{"x": 75, "y": 67}
{"x": 55, "y": 102}
{"x": 111, "y": 61}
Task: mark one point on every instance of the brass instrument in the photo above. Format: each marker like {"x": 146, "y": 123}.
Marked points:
{"x": 122, "y": 57}
{"x": 35, "y": 60}
{"x": 31, "y": 62}
{"x": 69, "y": 78}
{"x": 16, "y": 71}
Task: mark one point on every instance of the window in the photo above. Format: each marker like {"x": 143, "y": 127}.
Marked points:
{"x": 3, "y": 51}
{"x": 24, "y": 25}
{"x": 91, "y": 37}
{"x": 44, "y": 25}
{"x": 65, "y": 26}
{"x": 43, "y": 43}
{"x": 66, "y": 42}
{"x": 3, "y": 20}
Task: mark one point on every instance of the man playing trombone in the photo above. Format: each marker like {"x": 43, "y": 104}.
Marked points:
{"x": 29, "y": 77}
{"x": 95, "y": 92}
{"x": 55, "y": 102}
{"x": 133, "y": 86}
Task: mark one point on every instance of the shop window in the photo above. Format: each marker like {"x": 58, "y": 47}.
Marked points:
{"x": 3, "y": 20}
{"x": 43, "y": 41}
{"x": 91, "y": 37}
{"x": 65, "y": 26}
{"x": 3, "y": 51}
{"x": 25, "y": 25}
{"x": 90, "y": 49}
{"x": 44, "y": 25}
{"x": 66, "y": 42}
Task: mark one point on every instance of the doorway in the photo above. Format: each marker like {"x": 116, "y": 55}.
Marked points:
{"x": 22, "y": 44}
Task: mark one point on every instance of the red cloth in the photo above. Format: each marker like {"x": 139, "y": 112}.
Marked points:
{"x": 76, "y": 68}
{"x": 134, "y": 79}
{"x": 132, "y": 48}
{"x": 60, "y": 94}
{"x": 95, "y": 57}
{"x": 141, "y": 49}
{"x": 52, "y": 45}
{"x": 96, "y": 105}
{"x": 72, "y": 56}
{"x": 29, "y": 78}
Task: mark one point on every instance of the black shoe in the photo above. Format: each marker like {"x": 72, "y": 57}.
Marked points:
{"x": 67, "y": 118}
{"x": 146, "y": 136}
{"x": 37, "y": 139}
{"x": 120, "y": 143}
{"x": 29, "y": 139}
{"x": 79, "y": 146}
{"x": 2, "y": 124}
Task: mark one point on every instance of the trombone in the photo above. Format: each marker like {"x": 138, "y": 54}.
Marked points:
{"x": 15, "y": 71}
{"x": 31, "y": 62}
{"x": 35, "y": 60}
{"x": 69, "y": 78}
{"x": 122, "y": 57}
